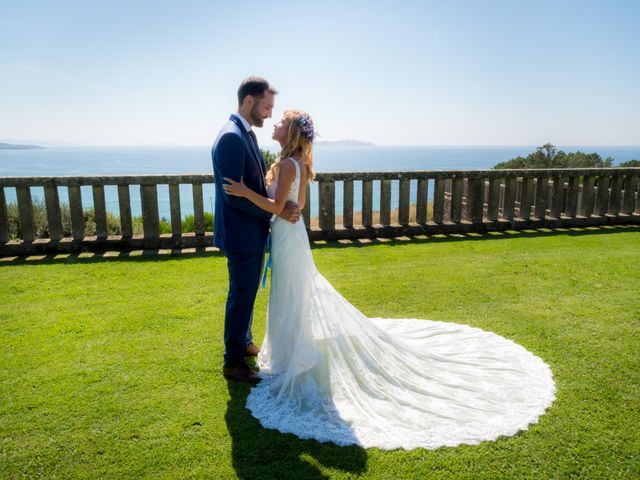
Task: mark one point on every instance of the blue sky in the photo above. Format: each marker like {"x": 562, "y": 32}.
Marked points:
{"x": 391, "y": 72}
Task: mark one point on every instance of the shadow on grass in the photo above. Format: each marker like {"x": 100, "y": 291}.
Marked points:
{"x": 153, "y": 255}
{"x": 261, "y": 453}
{"x": 500, "y": 235}
{"x": 163, "y": 255}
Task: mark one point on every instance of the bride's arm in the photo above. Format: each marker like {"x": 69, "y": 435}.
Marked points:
{"x": 286, "y": 175}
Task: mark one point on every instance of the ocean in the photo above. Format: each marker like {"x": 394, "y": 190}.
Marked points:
{"x": 61, "y": 161}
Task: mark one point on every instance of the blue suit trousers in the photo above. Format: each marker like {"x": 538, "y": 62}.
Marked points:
{"x": 244, "y": 281}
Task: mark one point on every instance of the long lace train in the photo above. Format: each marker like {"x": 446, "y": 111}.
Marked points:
{"x": 332, "y": 374}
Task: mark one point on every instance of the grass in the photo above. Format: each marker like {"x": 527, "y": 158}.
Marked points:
{"x": 110, "y": 368}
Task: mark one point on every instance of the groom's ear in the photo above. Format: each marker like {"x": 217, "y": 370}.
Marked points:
{"x": 249, "y": 100}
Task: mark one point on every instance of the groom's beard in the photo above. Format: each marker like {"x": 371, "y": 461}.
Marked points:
{"x": 258, "y": 121}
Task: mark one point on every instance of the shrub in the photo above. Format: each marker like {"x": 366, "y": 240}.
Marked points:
{"x": 547, "y": 156}
{"x": 41, "y": 227}
{"x": 630, "y": 163}
{"x": 113, "y": 222}
{"x": 269, "y": 158}
{"x": 189, "y": 223}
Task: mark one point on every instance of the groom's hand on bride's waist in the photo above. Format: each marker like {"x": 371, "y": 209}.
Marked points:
{"x": 290, "y": 212}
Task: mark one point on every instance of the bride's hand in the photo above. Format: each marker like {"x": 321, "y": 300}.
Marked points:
{"x": 237, "y": 189}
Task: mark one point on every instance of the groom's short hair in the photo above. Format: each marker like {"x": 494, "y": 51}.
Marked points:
{"x": 254, "y": 86}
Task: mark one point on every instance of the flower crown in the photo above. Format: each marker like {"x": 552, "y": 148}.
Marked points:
{"x": 306, "y": 125}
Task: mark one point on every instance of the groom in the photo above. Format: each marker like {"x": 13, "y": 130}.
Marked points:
{"x": 240, "y": 228}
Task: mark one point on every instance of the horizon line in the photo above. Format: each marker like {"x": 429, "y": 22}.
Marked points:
{"x": 61, "y": 144}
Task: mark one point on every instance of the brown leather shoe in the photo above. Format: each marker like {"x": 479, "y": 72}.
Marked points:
{"x": 242, "y": 373}
{"x": 252, "y": 350}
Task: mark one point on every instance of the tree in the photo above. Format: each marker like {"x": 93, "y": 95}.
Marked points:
{"x": 269, "y": 158}
{"x": 550, "y": 151}
{"x": 630, "y": 163}
{"x": 547, "y": 156}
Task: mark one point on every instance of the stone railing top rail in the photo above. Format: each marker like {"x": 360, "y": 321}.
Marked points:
{"x": 81, "y": 180}
{"x": 151, "y": 179}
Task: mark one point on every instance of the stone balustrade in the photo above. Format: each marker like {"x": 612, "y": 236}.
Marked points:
{"x": 428, "y": 202}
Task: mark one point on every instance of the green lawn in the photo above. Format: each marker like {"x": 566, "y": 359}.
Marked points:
{"x": 110, "y": 368}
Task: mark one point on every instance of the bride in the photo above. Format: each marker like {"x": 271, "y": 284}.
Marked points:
{"x": 332, "y": 374}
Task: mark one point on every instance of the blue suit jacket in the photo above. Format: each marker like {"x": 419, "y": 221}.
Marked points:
{"x": 239, "y": 226}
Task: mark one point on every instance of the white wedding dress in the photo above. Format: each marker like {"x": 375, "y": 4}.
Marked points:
{"x": 330, "y": 373}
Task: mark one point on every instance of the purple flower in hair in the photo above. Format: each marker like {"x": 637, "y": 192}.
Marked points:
{"x": 306, "y": 125}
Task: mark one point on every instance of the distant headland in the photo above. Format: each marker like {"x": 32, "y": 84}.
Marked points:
{"x": 10, "y": 146}
{"x": 343, "y": 143}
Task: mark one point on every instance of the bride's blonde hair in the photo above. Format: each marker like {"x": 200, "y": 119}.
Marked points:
{"x": 299, "y": 143}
